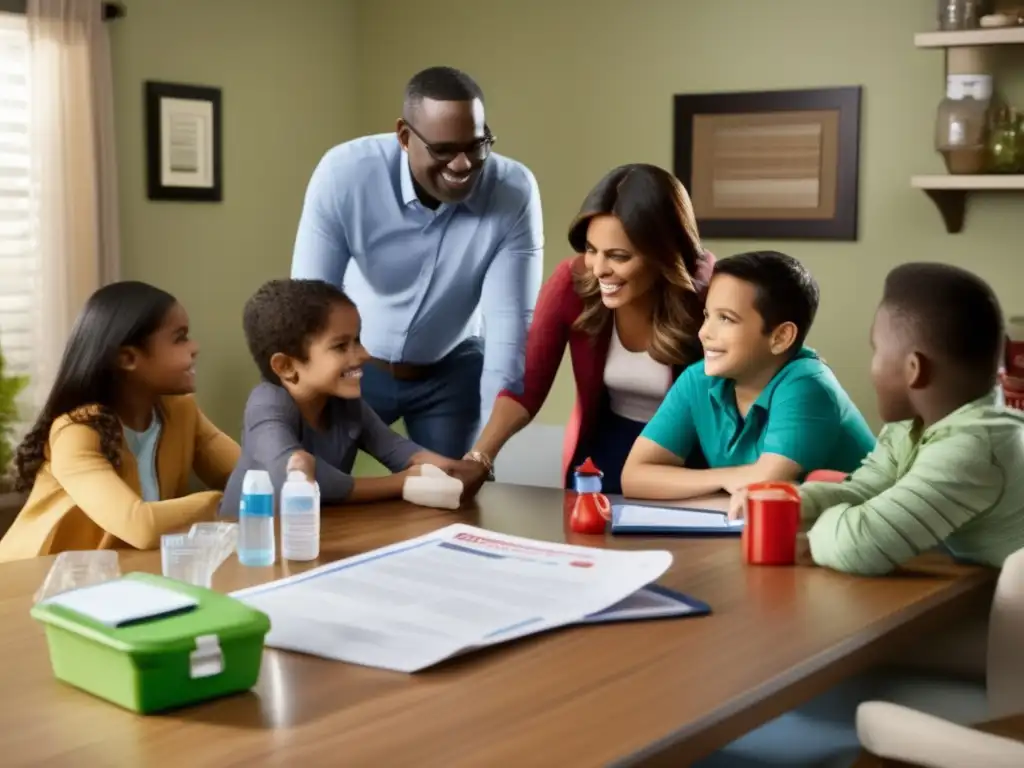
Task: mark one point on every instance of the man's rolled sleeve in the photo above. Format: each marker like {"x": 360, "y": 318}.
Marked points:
{"x": 508, "y": 298}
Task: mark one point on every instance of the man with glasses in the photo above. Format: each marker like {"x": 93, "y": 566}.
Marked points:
{"x": 439, "y": 241}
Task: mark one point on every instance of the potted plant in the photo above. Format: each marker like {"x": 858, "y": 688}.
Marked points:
{"x": 10, "y": 501}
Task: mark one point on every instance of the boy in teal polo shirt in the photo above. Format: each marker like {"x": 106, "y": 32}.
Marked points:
{"x": 760, "y": 406}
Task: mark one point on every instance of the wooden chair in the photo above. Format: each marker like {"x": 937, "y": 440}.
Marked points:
{"x": 896, "y": 736}
{"x": 10, "y": 506}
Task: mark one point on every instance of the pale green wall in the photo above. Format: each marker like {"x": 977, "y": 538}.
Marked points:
{"x": 575, "y": 88}
{"x": 287, "y": 70}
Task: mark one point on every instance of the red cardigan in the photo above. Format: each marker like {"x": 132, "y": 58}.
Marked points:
{"x": 558, "y": 306}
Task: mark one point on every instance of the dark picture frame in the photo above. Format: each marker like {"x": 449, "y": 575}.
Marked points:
{"x": 184, "y": 135}
{"x": 111, "y": 10}
{"x": 826, "y": 120}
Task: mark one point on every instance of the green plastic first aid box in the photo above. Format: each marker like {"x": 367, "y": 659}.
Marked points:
{"x": 150, "y": 644}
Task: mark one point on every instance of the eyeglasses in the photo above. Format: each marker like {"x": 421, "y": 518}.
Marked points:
{"x": 445, "y": 153}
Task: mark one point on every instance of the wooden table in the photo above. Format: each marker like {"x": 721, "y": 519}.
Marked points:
{"x": 652, "y": 693}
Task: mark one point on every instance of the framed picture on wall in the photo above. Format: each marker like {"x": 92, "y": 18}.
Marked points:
{"x": 183, "y": 142}
{"x": 771, "y": 164}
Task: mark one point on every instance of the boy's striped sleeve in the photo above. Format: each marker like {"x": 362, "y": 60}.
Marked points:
{"x": 953, "y": 479}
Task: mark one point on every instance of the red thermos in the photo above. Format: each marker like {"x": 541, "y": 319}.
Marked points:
{"x": 1014, "y": 356}
{"x": 1013, "y": 376}
{"x": 772, "y": 523}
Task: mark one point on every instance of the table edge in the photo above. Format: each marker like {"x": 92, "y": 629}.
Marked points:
{"x": 822, "y": 662}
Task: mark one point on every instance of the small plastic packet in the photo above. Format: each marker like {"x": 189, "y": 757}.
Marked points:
{"x": 433, "y": 487}
{"x": 195, "y": 556}
{"x": 219, "y": 538}
{"x": 75, "y": 569}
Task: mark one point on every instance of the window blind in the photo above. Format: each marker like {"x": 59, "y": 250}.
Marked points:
{"x": 19, "y": 255}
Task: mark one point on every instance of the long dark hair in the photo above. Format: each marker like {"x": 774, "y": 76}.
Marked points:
{"x": 118, "y": 315}
{"x": 657, "y": 215}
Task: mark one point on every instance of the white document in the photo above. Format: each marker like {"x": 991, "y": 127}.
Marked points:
{"x": 119, "y": 602}
{"x": 667, "y": 518}
{"x": 413, "y": 604}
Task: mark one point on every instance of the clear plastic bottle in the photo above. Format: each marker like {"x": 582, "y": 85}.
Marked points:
{"x": 300, "y": 518}
{"x": 256, "y": 520}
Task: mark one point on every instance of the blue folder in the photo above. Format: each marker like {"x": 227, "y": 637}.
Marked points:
{"x": 643, "y": 519}
{"x": 652, "y": 602}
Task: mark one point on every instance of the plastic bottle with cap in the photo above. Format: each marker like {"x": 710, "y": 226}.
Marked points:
{"x": 591, "y": 511}
{"x": 256, "y": 520}
{"x": 300, "y": 518}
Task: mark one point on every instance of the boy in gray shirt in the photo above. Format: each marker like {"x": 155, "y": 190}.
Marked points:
{"x": 307, "y": 412}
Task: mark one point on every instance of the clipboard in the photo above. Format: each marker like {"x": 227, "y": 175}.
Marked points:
{"x": 652, "y": 602}
{"x": 643, "y": 519}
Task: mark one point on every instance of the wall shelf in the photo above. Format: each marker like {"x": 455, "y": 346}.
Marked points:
{"x": 971, "y": 37}
{"x": 949, "y": 192}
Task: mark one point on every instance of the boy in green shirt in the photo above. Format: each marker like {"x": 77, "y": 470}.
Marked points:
{"x": 761, "y": 405}
{"x": 949, "y": 466}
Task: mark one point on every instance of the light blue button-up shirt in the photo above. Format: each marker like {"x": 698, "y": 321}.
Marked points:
{"x": 422, "y": 278}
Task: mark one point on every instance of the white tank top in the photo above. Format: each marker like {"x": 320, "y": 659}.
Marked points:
{"x": 636, "y": 382}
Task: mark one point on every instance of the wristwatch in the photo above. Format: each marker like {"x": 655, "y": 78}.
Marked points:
{"x": 482, "y": 458}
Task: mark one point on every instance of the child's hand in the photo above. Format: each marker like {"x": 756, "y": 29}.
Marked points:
{"x": 738, "y": 504}
{"x": 413, "y": 470}
{"x": 303, "y": 462}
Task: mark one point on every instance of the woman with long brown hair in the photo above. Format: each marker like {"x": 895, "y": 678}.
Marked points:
{"x": 628, "y": 304}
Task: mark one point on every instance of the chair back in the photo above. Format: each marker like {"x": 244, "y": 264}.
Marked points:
{"x": 1005, "y": 674}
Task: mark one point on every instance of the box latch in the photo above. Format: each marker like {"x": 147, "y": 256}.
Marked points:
{"x": 207, "y": 659}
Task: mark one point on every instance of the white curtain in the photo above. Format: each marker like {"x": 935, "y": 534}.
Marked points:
{"x": 74, "y": 170}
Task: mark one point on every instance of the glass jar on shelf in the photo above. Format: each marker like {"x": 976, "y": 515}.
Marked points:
{"x": 961, "y": 124}
{"x": 955, "y": 15}
{"x": 1005, "y": 142}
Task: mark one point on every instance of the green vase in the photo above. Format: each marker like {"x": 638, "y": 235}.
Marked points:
{"x": 1006, "y": 142}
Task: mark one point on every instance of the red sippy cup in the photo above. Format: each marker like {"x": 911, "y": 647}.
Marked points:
{"x": 592, "y": 509}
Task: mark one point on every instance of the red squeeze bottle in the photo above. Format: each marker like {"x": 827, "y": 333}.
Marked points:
{"x": 772, "y": 523}
{"x": 592, "y": 509}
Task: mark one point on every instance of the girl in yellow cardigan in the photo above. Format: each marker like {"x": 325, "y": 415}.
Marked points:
{"x": 108, "y": 460}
